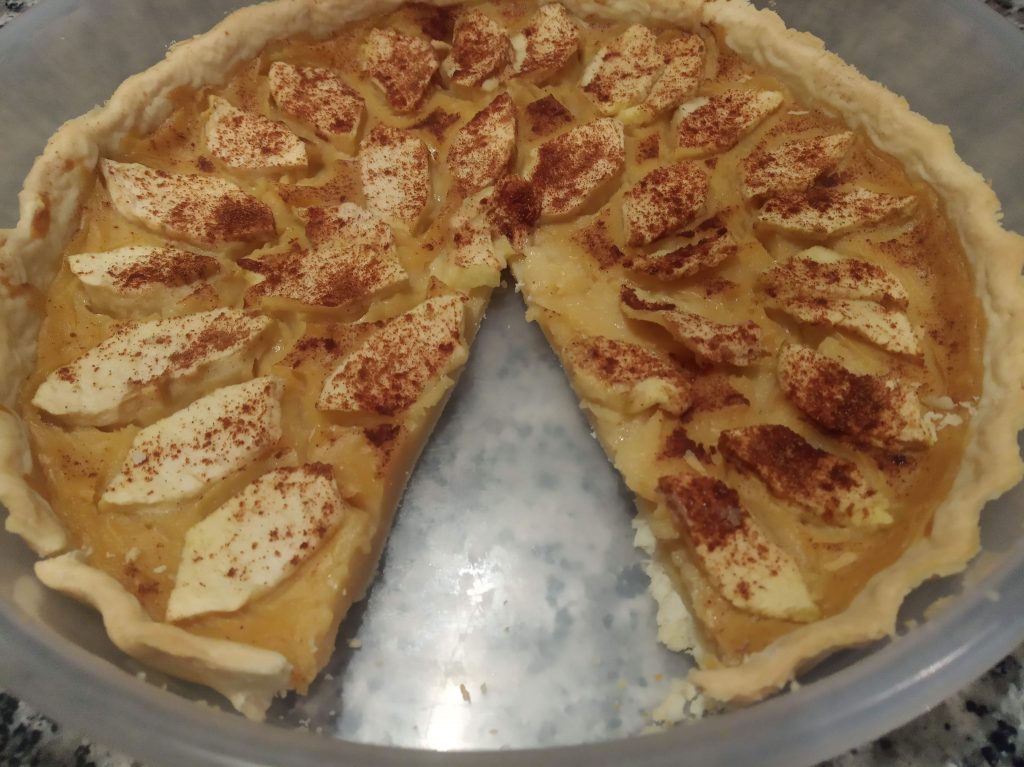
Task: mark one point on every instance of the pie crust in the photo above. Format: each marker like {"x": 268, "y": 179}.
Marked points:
{"x": 57, "y": 185}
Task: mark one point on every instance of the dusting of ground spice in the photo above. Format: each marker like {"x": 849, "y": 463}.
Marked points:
{"x": 215, "y": 338}
{"x": 648, "y": 148}
{"x": 346, "y": 226}
{"x": 236, "y": 219}
{"x": 717, "y": 286}
{"x": 826, "y": 211}
{"x": 513, "y": 209}
{"x": 711, "y": 342}
{"x": 711, "y": 244}
{"x": 619, "y": 363}
{"x": 709, "y": 510}
{"x": 66, "y": 374}
{"x": 307, "y": 348}
{"x": 436, "y": 22}
{"x": 793, "y": 166}
{"x": 317, "y": 97}
{"x": 379, "y": 436}
{"x": 794, "y": 470}
{"x": 663, "y": 201}
{"x": 723, "y": 120}
{"x": 848, "y": 275}
{"x": 626, "y": 69}
{"x": 249, "y": 141}
{"x": 394, "y": 165}
{"x": 483, "y": 148}
{"x": 831, "y": 292}
{"x": 629, "y": 297}
{"x": 401, "y": 373}
{"x": 678, "y": 443}
{"x": 713, "y": 391}
{"x": 402, "y": 65}
{"x": 574, "y": 165}
{"x": 215, "y": 444}
{"x": 169, "y": 266}
{"x": 437, "y": 123}
{"x": 545, "y": 115}
{"x": 597, "y": 242}
{"x": 394, "y": 366}
{"x": 351, "y": 257}
{"x": 551, "y": 39}
{"x": 860, "y": 406}
{"x": 385, "y": 438}
{"x": 480, "y": 48}
{"x": 316, "y": 278}
{"x": 343, "y": 186}
{"x": 242, "y": 556}
{"x": 176, "y": 345}
{"x": 325, "y": 345}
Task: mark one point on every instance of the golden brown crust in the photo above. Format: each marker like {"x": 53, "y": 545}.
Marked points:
{"x": 28, "y": 513}
{"x": 247, "y": 676}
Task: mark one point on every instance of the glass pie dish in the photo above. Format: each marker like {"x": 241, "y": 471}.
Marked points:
{"x": 512, "y": 611}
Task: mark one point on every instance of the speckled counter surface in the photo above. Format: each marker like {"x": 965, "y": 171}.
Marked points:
{"x": 1012, "y": 9}
{"x": 983, "y": 725}
{"x": 11, "y": 8}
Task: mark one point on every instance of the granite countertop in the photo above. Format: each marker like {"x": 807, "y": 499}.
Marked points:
{"x": 981, "y": 726}
{"x": 1012, "y": 9}
{"x": 9, "y": 9}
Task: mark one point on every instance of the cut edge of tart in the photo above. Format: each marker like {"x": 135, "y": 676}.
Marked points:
{"x": 61, "y": 178}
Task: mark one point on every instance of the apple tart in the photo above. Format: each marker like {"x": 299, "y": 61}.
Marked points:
{"x": 241, "y": 291}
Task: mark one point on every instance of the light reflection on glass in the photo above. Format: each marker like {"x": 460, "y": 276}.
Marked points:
{"x": 448, "y": 720}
